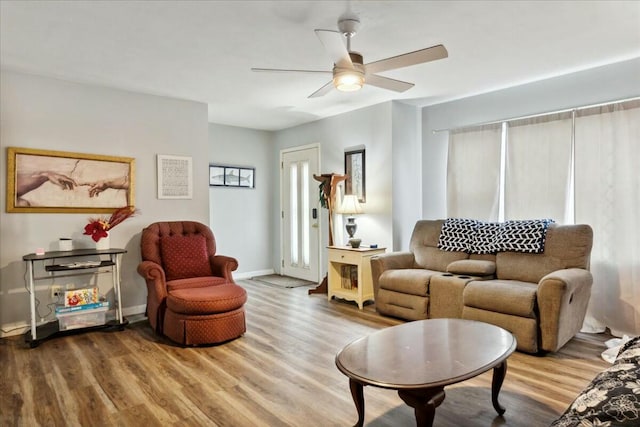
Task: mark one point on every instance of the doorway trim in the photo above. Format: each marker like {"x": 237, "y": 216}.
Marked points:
{"x": 315, "y": 145}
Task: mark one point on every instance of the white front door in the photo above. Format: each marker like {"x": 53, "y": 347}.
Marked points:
{"x": 300, "y": 213}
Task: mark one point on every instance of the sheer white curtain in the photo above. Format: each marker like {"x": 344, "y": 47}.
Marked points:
{"x": 607, "y": 187}
{"x": 537, "y": 173}
{"x": 473, "y": 173}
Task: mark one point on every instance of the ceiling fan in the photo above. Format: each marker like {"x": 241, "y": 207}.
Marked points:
{"x": 349, "y": 71}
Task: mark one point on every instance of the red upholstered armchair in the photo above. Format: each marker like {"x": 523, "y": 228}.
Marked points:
{"x": 192, "y": 297}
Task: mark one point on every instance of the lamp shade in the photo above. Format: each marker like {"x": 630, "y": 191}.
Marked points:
{"x": 350, "y": 205}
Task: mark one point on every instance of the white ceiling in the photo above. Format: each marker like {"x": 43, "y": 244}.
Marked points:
{"x": 203, "y": 50}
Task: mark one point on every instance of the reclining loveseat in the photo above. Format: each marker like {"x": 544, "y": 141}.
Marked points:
{"x": 539, "y": 297}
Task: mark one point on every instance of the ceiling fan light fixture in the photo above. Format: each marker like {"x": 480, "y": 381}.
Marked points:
{"x": 348, "y": 80}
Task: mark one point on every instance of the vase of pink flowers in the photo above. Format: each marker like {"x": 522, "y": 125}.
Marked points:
{"x": 98, "y": 228}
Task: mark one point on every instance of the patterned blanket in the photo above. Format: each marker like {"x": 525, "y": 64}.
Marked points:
{"x": 613, "y": 397}
{"x": 478, "y": 237}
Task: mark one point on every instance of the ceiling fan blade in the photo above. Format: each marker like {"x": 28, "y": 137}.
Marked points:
{"x": 322, "y": 91}
{"x": 387, "y": 83}
{"x": 412, "y": 58}
{"x": 280, "y": 70}
{"x": 334, "y": 45}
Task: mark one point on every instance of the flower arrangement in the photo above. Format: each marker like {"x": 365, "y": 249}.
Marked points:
{"x": 99, "y": 227}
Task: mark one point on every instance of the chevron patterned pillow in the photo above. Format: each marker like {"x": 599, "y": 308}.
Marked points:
{"x": 456, "y": 234}
{"x": 523, "y": 236}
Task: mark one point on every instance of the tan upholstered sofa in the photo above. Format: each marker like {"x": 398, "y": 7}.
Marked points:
{"x": 540, "y": 297}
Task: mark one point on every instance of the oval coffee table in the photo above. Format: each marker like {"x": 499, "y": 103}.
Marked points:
{"x": 420, "y": 358}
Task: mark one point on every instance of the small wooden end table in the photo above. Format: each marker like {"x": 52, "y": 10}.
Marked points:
{"x": 358, "y": 288}
{"x": 420, "y": 358}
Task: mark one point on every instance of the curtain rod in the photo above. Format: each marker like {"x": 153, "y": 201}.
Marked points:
{"x": 602, "y": 104}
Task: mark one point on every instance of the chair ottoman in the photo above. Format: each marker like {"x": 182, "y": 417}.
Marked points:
{"x": 205, "y": 315}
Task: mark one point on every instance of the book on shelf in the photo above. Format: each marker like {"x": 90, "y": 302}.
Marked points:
{"x": 344, "y": 277}
{"x": 349, "y": 276}
{"x": 91, "y": 306}
{"x": 354, "y": 277}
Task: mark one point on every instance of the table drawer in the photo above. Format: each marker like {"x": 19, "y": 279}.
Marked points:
{"x": 345, "y": 257}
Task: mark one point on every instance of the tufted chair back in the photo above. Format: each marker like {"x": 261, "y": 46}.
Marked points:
{"x": 150, "y": 243}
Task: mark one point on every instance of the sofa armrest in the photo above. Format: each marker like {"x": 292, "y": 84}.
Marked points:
{"x": 222, "y": 266}
{"x": 391, "y": 261}
{"x": 562, "y": 296}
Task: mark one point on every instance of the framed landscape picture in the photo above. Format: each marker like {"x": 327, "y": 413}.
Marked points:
{"x": 45, "y": 181}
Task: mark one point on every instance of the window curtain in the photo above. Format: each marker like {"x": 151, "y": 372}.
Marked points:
{"x": 538, "y": 166}
{"x": 473, "y": 173}
{"x": 607, "y": 191}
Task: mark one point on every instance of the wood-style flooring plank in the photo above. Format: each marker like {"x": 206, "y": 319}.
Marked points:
{"x": 280, "y": 373}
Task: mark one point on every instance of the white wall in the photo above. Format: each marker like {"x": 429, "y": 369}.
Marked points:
{"x": 241, "y": 218}
{"x": 407, "y": 172}
{"x": 44, "y": 113}
{"x": 369, "y": 127}
{"x": 597, "y": 85}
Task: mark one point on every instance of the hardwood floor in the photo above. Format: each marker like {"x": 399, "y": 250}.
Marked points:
{"x": 281, "y": 373}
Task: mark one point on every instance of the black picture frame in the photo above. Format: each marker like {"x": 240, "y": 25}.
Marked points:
{"x": 355, "y": 169}
{"x": 232, "y": 176}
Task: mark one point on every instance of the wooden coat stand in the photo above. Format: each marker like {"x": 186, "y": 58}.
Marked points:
{"x": 329, "y": 182}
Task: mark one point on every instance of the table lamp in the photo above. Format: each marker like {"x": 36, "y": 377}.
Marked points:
{"x": 350, "y": 206}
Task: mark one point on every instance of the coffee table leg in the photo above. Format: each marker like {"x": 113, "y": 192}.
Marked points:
{"x": 499, "y": 372}
{"x": 424, "y": 403}
{"x": 358, "y": 398}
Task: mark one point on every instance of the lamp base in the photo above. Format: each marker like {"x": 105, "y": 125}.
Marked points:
{"x": 351, "y": 226}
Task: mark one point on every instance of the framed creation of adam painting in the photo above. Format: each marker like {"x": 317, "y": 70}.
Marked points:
{"x": 45, "y": 181}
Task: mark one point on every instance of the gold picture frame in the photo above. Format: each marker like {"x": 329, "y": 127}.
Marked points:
{"x": 45, "y": 181}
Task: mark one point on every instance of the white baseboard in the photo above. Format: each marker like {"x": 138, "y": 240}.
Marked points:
{"x": 13, "y": 329}
{"x": 250, "y": 274}
{"x": 132, "y": 311}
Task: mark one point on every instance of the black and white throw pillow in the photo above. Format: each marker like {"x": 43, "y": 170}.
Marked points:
{"x": 523, "y": 236}
{"x": 456, "y": 234}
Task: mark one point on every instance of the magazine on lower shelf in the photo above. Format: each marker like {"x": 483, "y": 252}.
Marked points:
{"x": 83, "y": 307}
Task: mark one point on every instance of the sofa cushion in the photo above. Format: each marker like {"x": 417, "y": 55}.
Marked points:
{"x": 195, "y": 282}
{"x": 566, "y": 246}
{"x": 525, "y": 267}
{"x": 434, "y": 259}
{"x": 185, "y": 256}
{"x": 404, "y": 306}
{"x": 457, "y": 234}
{"x": 408, "y": 281}
{"x": 472, "y": 267}
{"x": 502, "y": 296}
{"x": 209, "y": 300}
